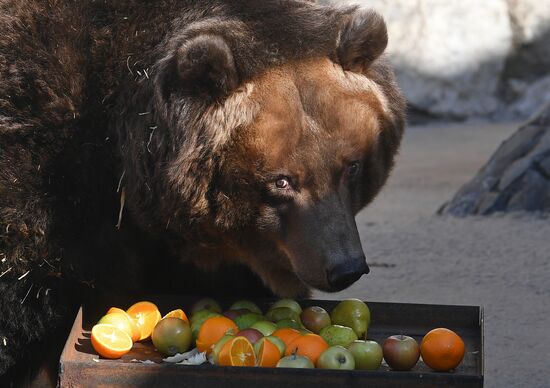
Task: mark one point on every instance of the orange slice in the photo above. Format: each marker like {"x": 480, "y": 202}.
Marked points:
{"x": 146, "y": 315}
{"x": 110, "y": 342}
{"x": 177, "y": 314}
{"x": 268, "y": 354}
{"x": 135, "y": 332}
{"x": 237, "y": 352}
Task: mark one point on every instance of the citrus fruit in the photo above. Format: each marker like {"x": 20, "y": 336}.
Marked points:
{"x": 178, "y": 313}
{"x": 215, "y": 354}
{"x": 309, "y": 345}
{"x": 212, "y": 330}
{"x": 136, "y": 332}
{"x": 124, "y": 323}
{"x": 146, "y": 315}
{"x": 109, "y": 341}
{"x": 172, "y": 335}
{"x": 268, "y": 354}
{"x": 237, "y": 352}
{"x": 198, "y": 319}
{"x": 442, "y": 349}
{"x": 286, "y": 334}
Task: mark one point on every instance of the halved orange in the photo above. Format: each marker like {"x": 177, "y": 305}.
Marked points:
{"x": 109, "y": 341}
{"x": 178, "y": 313}
{"x": 135, "y": 331}
{"x": 146, "y": 315}
{"x": 237, "y": 352}
{"x": 212, "y": 330}
{"x": 268, "y": 354}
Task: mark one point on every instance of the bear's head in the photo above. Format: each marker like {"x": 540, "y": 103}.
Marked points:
{"x": 269, "y": 166}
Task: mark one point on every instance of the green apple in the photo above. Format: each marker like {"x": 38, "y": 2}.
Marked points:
{"x": 280, "y": 313}
{"x": 246, "y": 304}
{"x": 352, "y": 313}
{"x": 336, "y": 357}
{"x": 295, "y": 361}
{"x": 265, "y": 327}
{"x": 338, "y": 335}
{"x": 367, "y": 354}
{"x": 315, "y": 318}
{"x": 291, "y": 304}
{"x": 401, "y": 352}
{"x": 274, "y": 340}
{"x": 289, "y": 323}
{"x": 206, "y": 304}
{"x": 246, "y": 320}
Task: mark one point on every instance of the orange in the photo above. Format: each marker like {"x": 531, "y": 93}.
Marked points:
{"x": 146, "y": 315}
{"x": 309, "y": 345}
{"x": 135, "y": 332}
{"x": 237, "y": 352}
{"x": 212, "y": 330}
{"x": 442, "y": 349}
{"x": 109, "y": 341}
{"x": 177, "y": 314}
{"x": 286, "y": 334}
{"x": 124, "y": 323}
{"x": 268, "y": 354}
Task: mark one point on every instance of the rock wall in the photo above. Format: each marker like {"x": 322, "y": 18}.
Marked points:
{"x": 467, "y": 58}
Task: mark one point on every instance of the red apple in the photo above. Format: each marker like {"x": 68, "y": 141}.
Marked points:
{"x": 250, "y": 334}
{"x": 401, "y": 352}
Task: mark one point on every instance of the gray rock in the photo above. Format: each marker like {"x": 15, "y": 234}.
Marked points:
{"x": 517, "y": 176}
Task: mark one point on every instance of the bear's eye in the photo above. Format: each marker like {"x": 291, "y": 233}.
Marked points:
{"x": 282, "y": 183}
{"x": 353, "y": 169}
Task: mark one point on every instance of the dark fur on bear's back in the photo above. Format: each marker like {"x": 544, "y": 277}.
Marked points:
{"x": 81, "y": 128}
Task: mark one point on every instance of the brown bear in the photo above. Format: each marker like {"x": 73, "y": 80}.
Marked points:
{"x": 207, "y": 147}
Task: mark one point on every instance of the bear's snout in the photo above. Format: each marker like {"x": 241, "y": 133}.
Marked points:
{"x": 343, "y": 275}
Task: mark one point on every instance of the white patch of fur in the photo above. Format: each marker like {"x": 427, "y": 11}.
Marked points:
{"x": 237, "y": 110}
{"x": 360, "y": 83}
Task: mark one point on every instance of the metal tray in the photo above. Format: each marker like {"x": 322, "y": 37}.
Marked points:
{"x": 80, "y": 366}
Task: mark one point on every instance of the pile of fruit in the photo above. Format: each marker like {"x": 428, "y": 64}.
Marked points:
{"x": 286, "y": 336}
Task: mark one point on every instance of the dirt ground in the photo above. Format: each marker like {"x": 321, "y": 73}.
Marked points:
{"x": 501, "y": 262}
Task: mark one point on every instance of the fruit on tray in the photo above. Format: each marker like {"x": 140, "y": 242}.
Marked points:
{"x": 338, "y": 335}
{"x": 336, "y": 357}
{"x": 352, "y": 313}
{"x": 237, "y": 352}
{"x": 246, "y": 305}
{"x": 122, "y": 321}
{"x": 295, "y": 361}
{"x": 268, "y": 353}
{"x": 315, "y": 318}
{"x": 367, "y": 354}
{"x": 171, "y": 336}
{"x": 401, "y": 352}
{"x": 109, "y": 341}
{"x": 290, "y": 303}
{"x": 146, "y": 315}
{"x": 212, "y": 330}
{"x": 206, "y": 304}
{"x": 442, "y": 349}
{"x": 286, "y": 337}
{"x": 309, "y": 345}
{"x": 178, "y": 313}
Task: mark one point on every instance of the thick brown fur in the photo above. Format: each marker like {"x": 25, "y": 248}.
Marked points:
{"x": 175, "y": 115}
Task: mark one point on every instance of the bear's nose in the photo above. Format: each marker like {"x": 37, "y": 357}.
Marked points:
{"x": 344, "y": 274}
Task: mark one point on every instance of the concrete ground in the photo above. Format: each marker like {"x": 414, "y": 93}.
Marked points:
{"x": 501, "y": 262}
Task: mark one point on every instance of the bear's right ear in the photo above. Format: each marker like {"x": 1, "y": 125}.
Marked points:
{"x": 206, "y": 67}
{"x": 363, "y": 39}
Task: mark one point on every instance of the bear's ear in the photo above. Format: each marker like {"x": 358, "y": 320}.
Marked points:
{"x": 205, "y": 66}
{"x": 363, "y": 39}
